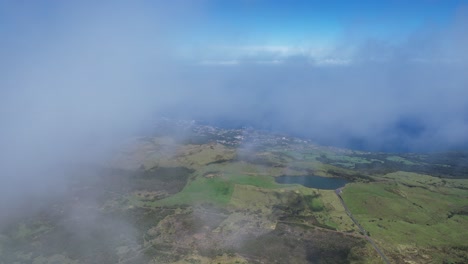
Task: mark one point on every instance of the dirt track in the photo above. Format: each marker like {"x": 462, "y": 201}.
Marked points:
{"x": 363, "y": 231}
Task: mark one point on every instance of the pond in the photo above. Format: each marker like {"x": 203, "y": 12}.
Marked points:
{"x": 313, "y": 181}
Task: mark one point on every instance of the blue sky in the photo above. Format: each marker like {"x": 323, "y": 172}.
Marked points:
{"x": 242, "y": 27}
{"x": 314, "y": 24}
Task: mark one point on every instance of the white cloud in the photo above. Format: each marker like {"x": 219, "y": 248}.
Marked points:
{"x": 219, "y": 62}
{"x": 333, "y": 62}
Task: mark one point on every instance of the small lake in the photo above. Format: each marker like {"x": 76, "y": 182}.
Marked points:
{"x": 313, "y": 181}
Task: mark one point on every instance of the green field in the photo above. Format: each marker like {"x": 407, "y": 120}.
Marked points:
{"x": 425, "y": 219}
{"x": 217, "y": 190}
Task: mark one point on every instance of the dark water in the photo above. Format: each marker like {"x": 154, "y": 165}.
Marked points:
{"x": 313, "y": 181}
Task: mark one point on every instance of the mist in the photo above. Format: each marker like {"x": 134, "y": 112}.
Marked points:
{"x": 72, "y": 86}
{"x": 365, "y": 93}
{"x": 78, "y": 79}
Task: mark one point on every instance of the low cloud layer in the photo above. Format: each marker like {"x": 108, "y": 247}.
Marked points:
{"x": 76, "y": 79}
{"x": 365, "y": 93}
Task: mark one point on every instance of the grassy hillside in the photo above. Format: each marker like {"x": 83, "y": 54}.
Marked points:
{"x": 213, "y": 199}
{"x": 414, "y": 216}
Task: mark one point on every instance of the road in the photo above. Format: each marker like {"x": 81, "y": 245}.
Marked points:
{"x": 363, "y": 231}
